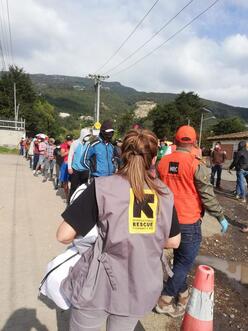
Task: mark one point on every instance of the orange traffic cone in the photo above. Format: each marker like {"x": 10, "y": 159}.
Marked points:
{"x": 199, "y": 311}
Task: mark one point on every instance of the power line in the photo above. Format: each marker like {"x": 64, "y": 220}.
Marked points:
{"x": 150, "y": 39}
{"x": 5, "y": 45}
{"x": 2, "y": 55}
{"x": 167, "y": 40}
{"x": 128, "y": 37}
{"x": 10, "y": 34}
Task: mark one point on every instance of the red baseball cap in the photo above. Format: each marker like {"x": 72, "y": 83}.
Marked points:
{"x": 186, "y": 134}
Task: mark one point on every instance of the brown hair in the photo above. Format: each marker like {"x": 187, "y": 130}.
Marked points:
{"x": 138, "y": 150}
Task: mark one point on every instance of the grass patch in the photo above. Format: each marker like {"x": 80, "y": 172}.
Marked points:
{"x": 8, "y": 150}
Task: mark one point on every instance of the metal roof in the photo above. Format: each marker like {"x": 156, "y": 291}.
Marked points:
{"x": 230, "y": 136}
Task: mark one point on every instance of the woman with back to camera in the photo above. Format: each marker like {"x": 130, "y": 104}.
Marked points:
{"x": 120, "y": 278}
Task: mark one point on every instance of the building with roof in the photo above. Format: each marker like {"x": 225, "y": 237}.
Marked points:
{"x": 229, "y": 141}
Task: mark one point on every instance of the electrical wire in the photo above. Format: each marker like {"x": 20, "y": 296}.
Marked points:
{"x": 150, "y": 39}
{"x": 127, "y": 38}
{"x": 10, "y": 34}
{"x": 170, "y": 38}
{"x": 5, "y": 45}
{"x": 2, "y": 56}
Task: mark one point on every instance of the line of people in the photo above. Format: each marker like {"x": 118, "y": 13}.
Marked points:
{"x": 120, "y": 278}
{"x": 77, "y": 161}
{"x": 133, "y": 229}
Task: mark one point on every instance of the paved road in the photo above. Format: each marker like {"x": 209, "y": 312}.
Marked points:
{"x": 29, "y": 216}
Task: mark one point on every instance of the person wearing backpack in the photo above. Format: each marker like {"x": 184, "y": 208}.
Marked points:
{"x": 79, "y": 173}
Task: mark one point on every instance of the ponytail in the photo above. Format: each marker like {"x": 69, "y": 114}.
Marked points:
{"x": 138, "y": 150}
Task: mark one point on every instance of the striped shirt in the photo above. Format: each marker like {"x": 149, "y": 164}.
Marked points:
{"x": 49, "y": 152}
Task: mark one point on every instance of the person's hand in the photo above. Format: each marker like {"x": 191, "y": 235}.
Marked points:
{"x": 224, "y": 225}
{"x": 70, "y": 170}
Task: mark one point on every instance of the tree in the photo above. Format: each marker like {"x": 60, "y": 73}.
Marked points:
{"x": 46, "y": 119}
{"x": 189, "y": 106}
{"x": 25, "y": 93}
{"x": 38, "y": 113}
{"x": 125, "y": 122}
{"x": 229, "y": 125}
{"x": 165, "y": 120}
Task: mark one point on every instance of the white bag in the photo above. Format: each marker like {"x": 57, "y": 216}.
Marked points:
{"x": 58, "y": 269}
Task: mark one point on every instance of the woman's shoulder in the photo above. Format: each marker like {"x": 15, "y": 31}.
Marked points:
{"x": 111, "y": 182}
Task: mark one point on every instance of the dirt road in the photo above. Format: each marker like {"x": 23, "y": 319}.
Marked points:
{"x": 29, "y": 215}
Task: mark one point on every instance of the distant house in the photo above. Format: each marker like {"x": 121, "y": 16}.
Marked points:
{"x": 86, "y": 118}
{"x": 78, "y": 87}
{"x": 64, "y": 115}
{"x": 229, "y": 141}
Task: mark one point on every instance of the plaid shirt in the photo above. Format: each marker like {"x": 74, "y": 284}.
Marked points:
{"x": 49, "y": 152}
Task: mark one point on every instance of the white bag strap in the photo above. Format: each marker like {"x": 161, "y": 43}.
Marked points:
{"x": 57, "y": 266}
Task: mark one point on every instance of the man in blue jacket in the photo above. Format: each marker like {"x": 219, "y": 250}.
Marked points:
{"x": 99, "y": 154}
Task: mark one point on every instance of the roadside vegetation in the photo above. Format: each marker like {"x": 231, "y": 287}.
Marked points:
{"x": 8, "y": 150}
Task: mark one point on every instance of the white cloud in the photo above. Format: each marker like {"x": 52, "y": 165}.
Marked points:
{"x": 76, "y": 37}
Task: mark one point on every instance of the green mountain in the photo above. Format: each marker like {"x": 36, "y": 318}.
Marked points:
{"x": 76, "y": 95}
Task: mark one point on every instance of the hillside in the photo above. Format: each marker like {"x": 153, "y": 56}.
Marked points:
{"x": 75, "y": 95}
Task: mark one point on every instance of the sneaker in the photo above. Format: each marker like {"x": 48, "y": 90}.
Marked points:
{"x": 44, "y": 180}
{"x": 167, "y": 306}
{"x": 237, "y": 196}
{"x": 243, "y": 200}
{"x": 183, "y": 299}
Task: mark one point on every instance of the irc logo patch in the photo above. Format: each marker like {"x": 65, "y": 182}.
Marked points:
{"x": 173, "y": 168}
{"x": 143, "y": 216}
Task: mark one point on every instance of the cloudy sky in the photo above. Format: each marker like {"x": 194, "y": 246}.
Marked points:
{"x": 75, "y": 37}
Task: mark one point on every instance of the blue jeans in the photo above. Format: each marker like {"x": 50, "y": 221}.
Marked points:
{"x": 184, "y": 257}
{"x": 217, "y": 168}
{"x": 241, "y": 174}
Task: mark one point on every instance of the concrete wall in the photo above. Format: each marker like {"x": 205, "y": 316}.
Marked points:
{"x": 10, "y": 138}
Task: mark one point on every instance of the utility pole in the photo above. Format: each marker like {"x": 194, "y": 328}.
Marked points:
{"x": 97, "y": 79}
{"x": 200, "y": 136}
{"x": 202, "y": 120}
{"x": 15, "y": 109}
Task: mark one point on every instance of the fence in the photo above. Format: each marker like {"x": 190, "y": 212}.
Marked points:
{"x": 12, "y": 125}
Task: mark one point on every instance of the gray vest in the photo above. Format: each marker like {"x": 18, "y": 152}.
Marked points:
{"x": 123, "y": 272}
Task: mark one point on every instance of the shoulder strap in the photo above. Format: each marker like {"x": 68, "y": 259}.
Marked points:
{"x": 56, "y": 267}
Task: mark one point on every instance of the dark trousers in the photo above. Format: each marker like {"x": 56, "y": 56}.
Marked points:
{"x": 35, "y": 161}
{"x": 217, "y": 168}
{"x": 78, "y": 178}
{"x": 184, "y": 257}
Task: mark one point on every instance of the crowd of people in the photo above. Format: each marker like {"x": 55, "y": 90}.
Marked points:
{"x": 74, "y": 161}
{"x": 143, "y": 195}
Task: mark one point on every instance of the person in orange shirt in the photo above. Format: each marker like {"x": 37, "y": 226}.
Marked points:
{"x": 188, "y": 178}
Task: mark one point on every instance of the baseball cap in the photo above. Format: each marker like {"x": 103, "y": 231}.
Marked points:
{"x": 107, "y": 126}
{"x": 69, "y": 137}
{"x": 186, "y": 134}
{"x": 52, "y": 140}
